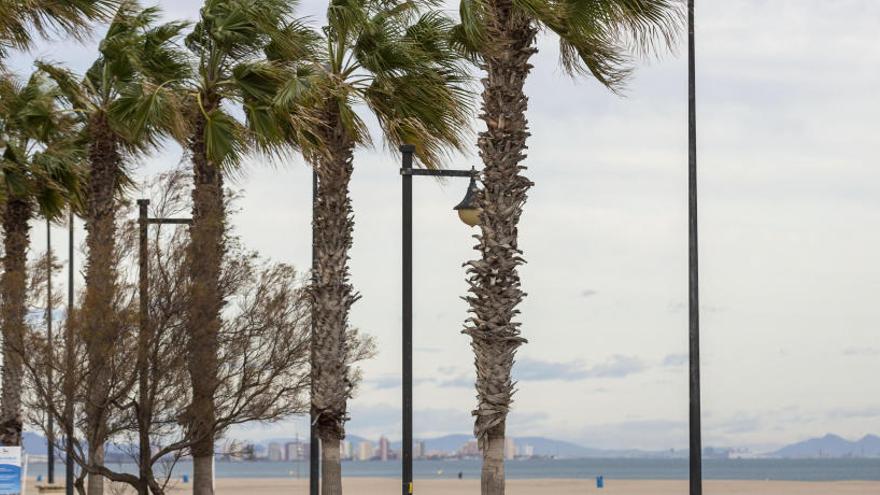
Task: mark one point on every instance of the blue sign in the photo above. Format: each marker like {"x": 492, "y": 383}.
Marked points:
{"x": 10, "y": 470}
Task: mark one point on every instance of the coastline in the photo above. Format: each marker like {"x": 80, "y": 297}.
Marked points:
{"x": 384, "y": 486}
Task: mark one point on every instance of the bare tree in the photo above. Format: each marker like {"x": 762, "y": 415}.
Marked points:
{"x": 263, "y": 372}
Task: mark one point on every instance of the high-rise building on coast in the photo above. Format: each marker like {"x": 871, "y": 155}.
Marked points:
{"x": 275, "y": 452}
{"x": 509, "y": 448}
{"x": 384, "y": 449}
{"x": 365, "y": 451}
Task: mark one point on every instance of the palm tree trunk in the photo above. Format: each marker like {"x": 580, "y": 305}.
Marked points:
{"x": 494, "y": 281}
{"x": 205, "y": 258}
{"x": 13, "y": 306}
{"x": 331, "y": 467}
{"x": 492, "y": 474}
{"x": 333, "y": 296}
{"x": 99, "y": 318}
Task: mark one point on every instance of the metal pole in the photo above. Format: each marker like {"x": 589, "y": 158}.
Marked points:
{"x": 144, "y": 337}
{"x": 696, "y": 444}
{"x": 314, "y": 446}
{"x": 68, "y": 375}
{"x": 50, "y": 434}
{"x": 406, "y": 448}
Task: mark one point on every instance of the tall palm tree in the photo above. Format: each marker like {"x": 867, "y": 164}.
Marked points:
{"x": 40, "y": 167}
{"x": 20, "y": 19}
{"x": 128, "y": 100}
{"x": 395, "y": 60}
{"x": 247, "y": 58}
{"x": 597, "y": 38}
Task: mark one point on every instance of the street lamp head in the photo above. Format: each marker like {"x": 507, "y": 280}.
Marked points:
{"x": 467, "y": 210}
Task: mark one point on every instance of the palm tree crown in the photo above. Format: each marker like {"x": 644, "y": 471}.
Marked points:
{"x": 597, "y": 38}
{"x": 20, "y": 19}
{"x": 398, "y": 60}
{"x": 133, "y": 90}
{"x": 41, "y": 151}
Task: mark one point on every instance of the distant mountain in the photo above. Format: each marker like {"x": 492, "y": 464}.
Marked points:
{"x": 831, "y": 446}
{"x": 545, "y": 447}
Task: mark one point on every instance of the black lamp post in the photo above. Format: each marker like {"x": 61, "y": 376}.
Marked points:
{"x": 145, "y": 333}
{"x": 469, "y": 214}
{"x": 314, "y": 443}
{"x": 50, "y": 434}
{"x": 696, "y": 442}
{"x": 68, "y": 364}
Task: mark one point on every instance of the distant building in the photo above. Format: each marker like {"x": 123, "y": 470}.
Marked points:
{"x": 365, "y": 451}
{"x": 527, "y": 451}
{"x": 275, "y": 452}
{"x": 470, "y": 449}
{"x": 419, "y": 450}
{"x": 294, "y": 451}
{"x": 509, "y": 448}
{"x": 384, "y": 448}
{"x": 345, "y": 450}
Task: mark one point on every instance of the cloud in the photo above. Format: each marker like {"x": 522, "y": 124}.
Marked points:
{"x": 855, "y": 413}
{"x": 617, "y": 367}
{"x": 650, "y": 434}
{"x": 588, "y": 293}
{"x": 861, "y": 351}
{"x": 675, "y": 360}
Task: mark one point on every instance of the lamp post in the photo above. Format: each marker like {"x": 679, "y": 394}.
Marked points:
{"x": 145, "y": 410}
{"x": 696, "y": 442}
{"x": 314, "y": 445}
{"x": 68, "y": 364}
{"x": 50, "y": 433}
{"x": 469, "y": 214}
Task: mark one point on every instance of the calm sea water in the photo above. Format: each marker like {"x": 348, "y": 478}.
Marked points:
{"x": 751, "y": 469}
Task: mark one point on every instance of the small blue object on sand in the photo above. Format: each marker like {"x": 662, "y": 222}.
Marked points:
{"x": 600, "y": 482}
{"x": 186, "y": 478}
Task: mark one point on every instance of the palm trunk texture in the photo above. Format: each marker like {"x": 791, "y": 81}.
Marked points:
{"x": 13, "y": 307}
{"x": 205, "y": 258}
{"x": 494, "y": 283}
{"x": 100, "y": 330}
{"x": 333, "y": 296}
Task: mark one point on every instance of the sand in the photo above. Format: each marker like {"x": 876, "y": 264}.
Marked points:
{"x": 378, "y": 486}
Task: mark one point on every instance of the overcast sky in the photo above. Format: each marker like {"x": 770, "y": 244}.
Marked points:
{"x": 790, "y": 208}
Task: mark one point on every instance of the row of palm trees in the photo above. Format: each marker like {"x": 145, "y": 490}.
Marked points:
{"x": 249, "y": 77}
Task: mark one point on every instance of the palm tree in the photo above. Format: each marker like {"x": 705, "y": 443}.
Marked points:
{"x": 128, "y": 100}
{"x": 247, "y": 55}
{"x": 394, "y": 59}
{"x": 40, "y": 168}
{"x": 597, "y": 38}
{"x": 19, "y": 19}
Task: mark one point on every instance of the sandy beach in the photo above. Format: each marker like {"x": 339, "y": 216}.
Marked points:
{"x": 379, "y": 486}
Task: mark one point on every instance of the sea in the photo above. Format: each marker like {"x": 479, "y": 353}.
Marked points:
{"x": 630, "y": 469}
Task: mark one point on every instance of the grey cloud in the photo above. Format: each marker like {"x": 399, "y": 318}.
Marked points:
{"x": 675, "y": 360}
{"x": 588, "y": 293}
{"x": 851, "y": 413}
{"x": 617, "y": 367}
{"x": 640, "y": 434}
{"x": 861, "y": 351}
